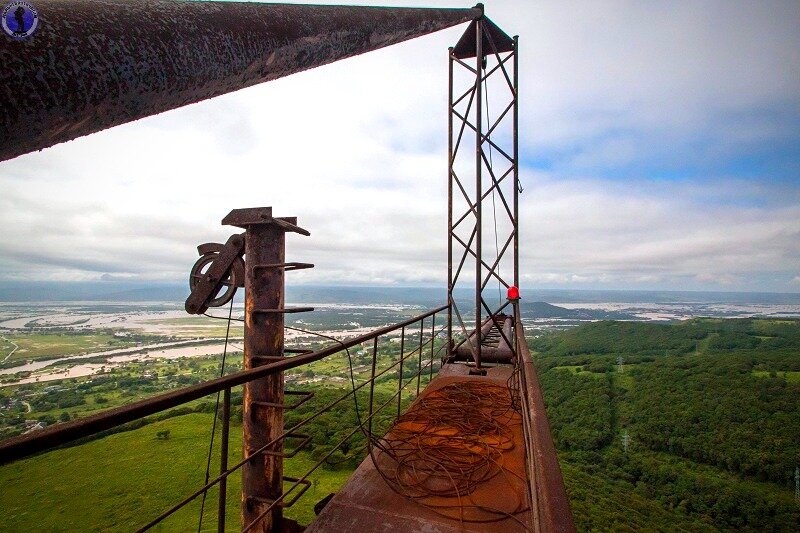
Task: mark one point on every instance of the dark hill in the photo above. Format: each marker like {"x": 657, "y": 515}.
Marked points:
{"x": 546, "y": 310}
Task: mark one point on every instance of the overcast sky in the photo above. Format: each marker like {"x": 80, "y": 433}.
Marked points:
{"x": 660, "y": 149}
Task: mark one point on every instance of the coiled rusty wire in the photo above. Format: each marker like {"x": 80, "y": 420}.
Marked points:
{"x": 449, "y": 443}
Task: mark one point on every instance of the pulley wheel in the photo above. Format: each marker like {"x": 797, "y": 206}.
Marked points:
{"x": 226, "y": 290}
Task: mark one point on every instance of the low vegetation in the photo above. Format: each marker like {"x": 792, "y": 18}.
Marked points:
{"x": 63, "y": 342}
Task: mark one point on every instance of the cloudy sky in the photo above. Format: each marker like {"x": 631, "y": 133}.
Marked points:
{"x": 660, "y": 149}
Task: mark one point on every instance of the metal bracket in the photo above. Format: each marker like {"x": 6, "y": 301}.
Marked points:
{"x": 262, "y": 215}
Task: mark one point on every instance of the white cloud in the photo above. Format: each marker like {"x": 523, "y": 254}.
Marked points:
{"x": 596, "y": 228}
{"x": 356, "y": 150}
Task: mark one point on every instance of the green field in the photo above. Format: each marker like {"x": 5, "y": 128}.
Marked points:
{"x": 114, "y": 483}
{"x": 579, "y": 369}
{"x": 121, "y": 481}
{"x": 6, "y": 347}
{"x": 49, "y": 345}
{"x": 790, "y": 377}
{"x": 198, "y": 326}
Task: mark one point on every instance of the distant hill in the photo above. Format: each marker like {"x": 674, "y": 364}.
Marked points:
{"x": 546, "y": 310}
{"x": 533, "y": 300}
{"x": 49, "y": 291}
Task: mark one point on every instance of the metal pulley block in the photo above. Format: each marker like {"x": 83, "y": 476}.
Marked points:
{"x": 215, "y": 277}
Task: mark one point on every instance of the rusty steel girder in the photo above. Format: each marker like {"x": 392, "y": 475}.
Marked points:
{"x": 94, "y": 64}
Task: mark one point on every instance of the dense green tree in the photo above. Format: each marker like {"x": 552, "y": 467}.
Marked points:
{"x": 712, "y": 410}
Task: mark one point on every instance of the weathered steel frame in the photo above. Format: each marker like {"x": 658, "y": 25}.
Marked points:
{"x": 484, "y": 130}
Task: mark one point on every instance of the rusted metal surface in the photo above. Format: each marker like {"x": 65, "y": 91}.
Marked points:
{"x": 60, "y": 434}
{"x": 552, "y": 513}
{"x": 225, "y": 268}
{"x": 495, "y": 342}
{"x": 262, "y": 419}
{"x": 94, "y": 64}
{"x": 368, "y": 504}
{"x": 494, "y": 40}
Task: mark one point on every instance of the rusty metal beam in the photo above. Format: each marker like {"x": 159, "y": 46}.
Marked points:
{"x": 549, "y": 501}
{"x": 263, "y": 399}
{"x": 94, "y": 64}
{"x": 263, "y": 336}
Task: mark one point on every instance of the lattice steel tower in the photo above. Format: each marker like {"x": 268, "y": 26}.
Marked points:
{"x": 483, "y": 178}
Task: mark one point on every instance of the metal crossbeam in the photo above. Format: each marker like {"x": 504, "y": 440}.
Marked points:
{"x": 157, "y": 55}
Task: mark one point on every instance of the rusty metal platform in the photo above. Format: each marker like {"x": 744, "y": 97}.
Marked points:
{"x": 497, "y": 502}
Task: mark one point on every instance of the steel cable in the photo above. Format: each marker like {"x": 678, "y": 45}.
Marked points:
{"x": 216, "y": 414}
{"x": 447, "y": 445}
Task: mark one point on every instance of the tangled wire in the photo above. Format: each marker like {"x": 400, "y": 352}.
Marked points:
{"x": 446, "y": 448}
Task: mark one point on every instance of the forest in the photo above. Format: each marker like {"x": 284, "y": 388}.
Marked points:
{"x": 700, "y": 417}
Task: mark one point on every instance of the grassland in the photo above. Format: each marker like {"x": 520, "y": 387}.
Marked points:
{"x": 50, "y": 345}
{"x": 6, "y": 348}
{"x": 790, "y": 377}
{"x": 121, "y": 481}
{"x": 196, "y": 326}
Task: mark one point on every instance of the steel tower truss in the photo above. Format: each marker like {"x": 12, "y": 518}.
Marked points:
{"x": 483, "y": 231}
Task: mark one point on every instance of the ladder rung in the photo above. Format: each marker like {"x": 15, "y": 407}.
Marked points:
{"x": 307, "y": 395}
{"x": 267, "y": 358}
{"x": 303, "y": 443}
{"x": 285, "y": 310}
{"x": 272, "y": 358}
{"x": 284, "y": 504}
{"x": 284, "y": 266}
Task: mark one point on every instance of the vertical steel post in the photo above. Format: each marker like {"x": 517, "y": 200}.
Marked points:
{"x": 478, "y": 186}
{"x": 400, "y": 379}
{"x": 223, "y": 461}
{"x": 263, "y": 341}
{"x": 450, "y": 157}
{"x": 419, "y": 364}
{"x": 372, "y": 392}
{"x": 433, "y": 343}
{"x": 516, "y": 160}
